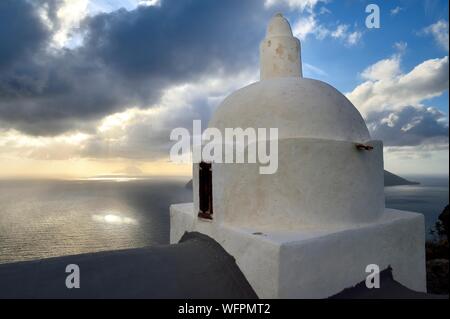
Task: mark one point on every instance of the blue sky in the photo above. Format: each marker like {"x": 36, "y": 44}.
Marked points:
{"x": 96, "y": 86}
{"x": 344, "y": 63}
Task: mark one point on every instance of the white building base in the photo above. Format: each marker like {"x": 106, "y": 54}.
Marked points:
{"x": 316, "y": 262}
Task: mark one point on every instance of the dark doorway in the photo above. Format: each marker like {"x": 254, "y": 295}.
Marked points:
{"x": 205, "y": 190}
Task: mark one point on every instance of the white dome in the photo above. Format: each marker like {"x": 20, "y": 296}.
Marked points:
{"x": 321, "y": 177}
{"x": 298, "y": 107}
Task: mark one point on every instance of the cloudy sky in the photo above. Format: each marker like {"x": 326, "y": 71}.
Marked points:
{"x": 91, "y": 87}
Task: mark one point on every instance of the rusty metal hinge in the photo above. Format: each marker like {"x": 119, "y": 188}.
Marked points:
{"x": 364, "y": 147}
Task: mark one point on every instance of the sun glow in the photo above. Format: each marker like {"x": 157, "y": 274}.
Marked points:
{"x": 114, "y": 218}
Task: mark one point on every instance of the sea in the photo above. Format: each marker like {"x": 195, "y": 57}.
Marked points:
{"x": 49, "y": 218}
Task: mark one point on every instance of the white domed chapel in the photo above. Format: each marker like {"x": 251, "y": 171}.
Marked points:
{"x": 310, "y": 229}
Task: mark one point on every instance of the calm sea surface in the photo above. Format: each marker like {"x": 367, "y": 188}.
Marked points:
{"x": 41, "y": 219}
{"x": 52, "y": 218}
{"x": 428, "y": 198}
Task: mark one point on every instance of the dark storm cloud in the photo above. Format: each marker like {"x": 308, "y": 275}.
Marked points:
{"x": 127, "y": 59}
{"x": 146, "y": 139}
{"x": 178, "y": 39}
{"x": 411, "y": 126}
{"x": 21, "y": 32}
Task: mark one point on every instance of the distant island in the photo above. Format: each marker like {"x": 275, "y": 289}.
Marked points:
{"x": 390, "y": 179}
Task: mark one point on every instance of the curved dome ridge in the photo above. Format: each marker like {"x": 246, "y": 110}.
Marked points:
{"x": 298, "y": 107}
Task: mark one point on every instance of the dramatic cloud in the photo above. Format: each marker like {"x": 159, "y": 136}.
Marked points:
{"x": 295, "y": 4}
{"x": 134, "y": 133}
{"x": 342, "y": 32}
{"x": 21, "y": 32}
{"x": 61, "y": 147}
{"x": 439, "y": 31}
{"x": 86, "y": 80}
{"x": 69, "y": 15}
{"x": 310, "y": 25}
{"x": 145, "y": 133}
{"x": 69, "y": 67}
{"x": 393, "y": 102}
{"x": 384, "y": 69}
{"x": 387, "y": 89}
{"x": 127, "y": 59}
{"x": 410, "y": 126}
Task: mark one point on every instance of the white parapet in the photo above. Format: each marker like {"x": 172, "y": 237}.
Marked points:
{"x": 314, "y": 262}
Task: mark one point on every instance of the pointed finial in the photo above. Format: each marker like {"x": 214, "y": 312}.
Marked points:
{"x": 278, "y": 26}
{"x": 280, "y": 50}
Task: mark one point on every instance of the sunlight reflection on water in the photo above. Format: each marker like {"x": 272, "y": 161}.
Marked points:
{"x": 114, "y": 219}
{"x": 40, "y": 219}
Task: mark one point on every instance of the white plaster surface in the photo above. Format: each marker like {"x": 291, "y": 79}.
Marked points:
{"x": 321, "y": 178}
{"x": 298, "y": 107}
{"x": 318, "y": 182}
{"x": 316, "y": 262}
{"x": 310, "y": 229}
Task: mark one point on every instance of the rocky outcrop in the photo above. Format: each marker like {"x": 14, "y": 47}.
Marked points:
{"x": 437, "y": 276}
{"x": 437, "y": 256}
{"x": 443, "y": 218}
